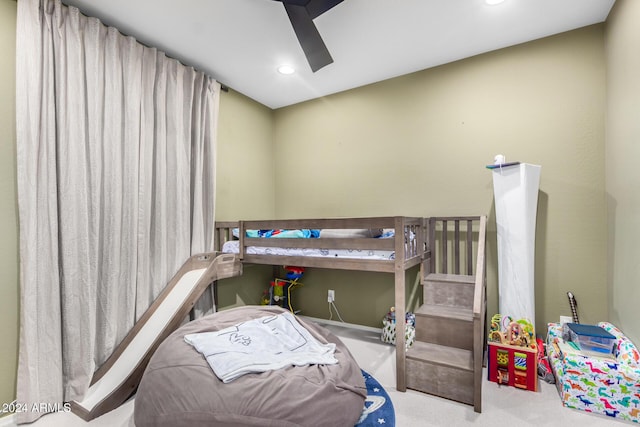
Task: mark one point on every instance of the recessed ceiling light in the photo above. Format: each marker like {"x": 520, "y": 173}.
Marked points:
{"x": 493, "y": 2}
{"x": 286, "y": 69}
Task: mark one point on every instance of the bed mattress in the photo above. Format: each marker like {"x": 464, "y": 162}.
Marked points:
{"x": 233, "y": 247}
{"x": 179, "y": 387}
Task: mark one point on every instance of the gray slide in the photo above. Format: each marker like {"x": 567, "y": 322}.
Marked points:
{"x": 117, "y": 379}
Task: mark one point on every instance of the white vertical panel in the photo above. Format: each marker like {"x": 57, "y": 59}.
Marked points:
{"x": 516, "y": 199}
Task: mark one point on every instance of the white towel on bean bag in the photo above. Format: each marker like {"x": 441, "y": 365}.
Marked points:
{"x": 259, "y": 345}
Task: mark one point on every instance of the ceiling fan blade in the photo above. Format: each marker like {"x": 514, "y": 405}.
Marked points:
{"x": 318, "y": 7}
{"x": 310, "y": 40}
{"x": 314, "y": 7}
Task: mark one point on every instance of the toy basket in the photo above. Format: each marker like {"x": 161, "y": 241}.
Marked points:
{"x": 389, "y": 329}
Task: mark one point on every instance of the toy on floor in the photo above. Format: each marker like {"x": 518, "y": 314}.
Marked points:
{"x": 389, "y": 328}
{"x": 544, "y": 369}
{"x": 279, "y": 291}
{"x": 512, "y": 353}
{"x": 502, "y": 360}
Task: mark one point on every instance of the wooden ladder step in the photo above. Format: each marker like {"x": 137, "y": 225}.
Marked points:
{"x": 455, "y": 278}
{"x": 434, "y": 310}
{"x": 444, "y": 325}
{"x": 442, "y": 371}
{"x": 449, "y": 289}
{"x": 441, "y": 355}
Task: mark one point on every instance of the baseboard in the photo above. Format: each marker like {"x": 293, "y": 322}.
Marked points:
{"x": 8, "y": 421}
{"x": 343, "y": 324}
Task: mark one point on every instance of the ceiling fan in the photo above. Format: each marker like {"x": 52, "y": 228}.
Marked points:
{"x": 301, "y": 14}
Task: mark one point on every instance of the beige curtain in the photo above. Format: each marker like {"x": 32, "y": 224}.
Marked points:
{"x": 116, "y": 155}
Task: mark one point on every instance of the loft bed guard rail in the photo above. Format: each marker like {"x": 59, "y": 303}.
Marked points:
{"x": 459, "y": 247}
{"x": 455, "y": 242}
{"x": 408, "y": 245}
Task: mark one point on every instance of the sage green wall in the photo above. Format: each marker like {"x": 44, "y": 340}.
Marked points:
{"x": 245, "y": 159}
{"x": 8, "y": 205}
{"x": 622, "y": 39}
{"x": 245, "y": 186}
{"x": 418, "y": 145}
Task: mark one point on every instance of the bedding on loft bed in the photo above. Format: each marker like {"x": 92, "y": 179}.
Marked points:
{"x": 329, "y": 233}
{"x": 233, "y": 246}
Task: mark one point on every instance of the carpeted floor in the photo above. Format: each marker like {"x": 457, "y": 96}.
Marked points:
{"x": 501, "y": 406}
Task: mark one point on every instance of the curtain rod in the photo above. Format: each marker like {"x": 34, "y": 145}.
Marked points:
{"x": 223, "y": 87}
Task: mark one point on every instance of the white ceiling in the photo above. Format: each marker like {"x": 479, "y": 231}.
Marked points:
{"x": 242, "y": 42}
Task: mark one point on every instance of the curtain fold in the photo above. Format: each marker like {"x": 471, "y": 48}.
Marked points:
{"x": 116, "y": 184}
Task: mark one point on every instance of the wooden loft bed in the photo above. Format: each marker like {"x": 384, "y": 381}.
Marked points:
{"x": 458, "y": 243}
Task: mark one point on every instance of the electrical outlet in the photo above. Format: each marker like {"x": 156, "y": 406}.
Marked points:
{"x": 566, "y": 319}
{"x": 331, "y": 295}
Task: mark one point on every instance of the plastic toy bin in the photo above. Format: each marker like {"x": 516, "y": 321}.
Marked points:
{"x": 591, "y": 338}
